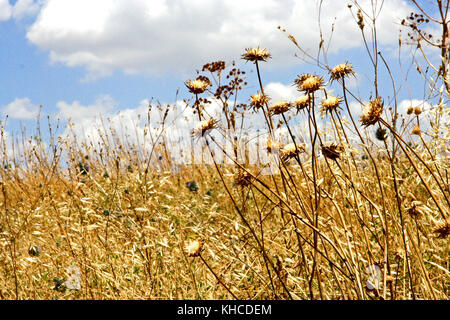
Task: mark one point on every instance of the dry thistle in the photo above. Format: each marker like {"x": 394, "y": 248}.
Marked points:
{"x": 331, "y": 103}
{"x": 256, "y": 54}
{"x": 289, "y": 151}
{"x": 341, "y": 70}
{"x": 442, "y": 229}
{"x": 332, "y": 151}
{"x": 273, "y": 146}
{"x": 198, "y": 85}
{"x": 243, "y": 178}
{"x": 280, "y": 107}
{"x": 372, "y": 112}
{"x": 309, "y": 83}
{"x": 302, "y": 102}
{"x": 417, "y": 110}
{"x": 204, "y": 126}
{"x": 258, "y": 100}
{"x": 410, "y": 110}
{"x": 194, "y": 248}
{"x": 415, "y": 209}
{"x": 416, "y": 130}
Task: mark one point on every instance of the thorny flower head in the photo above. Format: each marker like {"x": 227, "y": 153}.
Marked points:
{"x": 290, "y": 151}
{"x": 341, "y": 70}
{"x": 309, "y": 83}
{"x": 331, "y": 103}
{"x": 204, "y": 127}
{"x": 280, "y": 107}
{"x": 198, "y": 85}
{"x": 243, "y": 178}
{"x": 194, "y": 248}
{"x": 256, "y": 54}
{"x": 302, "y": 102}
{"x": 372, "y": 112}
{"x": 258, "y": 100}
{"x": 332, "y": 151}
{"x": 442, "y": 228}
{"x": 273, "y": 146}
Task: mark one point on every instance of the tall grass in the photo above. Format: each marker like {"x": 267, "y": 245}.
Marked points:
{"x": 355, "y": 209}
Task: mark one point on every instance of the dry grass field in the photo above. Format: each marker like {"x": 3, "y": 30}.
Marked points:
{"x": 358, "y": 209}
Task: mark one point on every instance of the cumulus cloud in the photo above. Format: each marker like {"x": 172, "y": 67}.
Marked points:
{"x": 20, "y": 108}
{"x": 23, "y": 8}
{"x": 159, "y": 37}
{"x": 5, "y": 10}
{"x": 75, "y": 111}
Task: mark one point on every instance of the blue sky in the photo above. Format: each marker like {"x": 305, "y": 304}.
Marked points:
{"x": 80, "y": 57}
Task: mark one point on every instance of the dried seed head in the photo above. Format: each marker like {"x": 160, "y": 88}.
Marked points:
{"x": 399, "y": 253}
{"x": 415, "y": 209}
{"x": 243, "y": 179}
{"x": 341, "y": 70}
{"x": 280, "y": 107}
{"x": 416, "y": 130}
{"x": 417, "y": 110}
{"x": 309, "y": 83}
{"x": 372, "y": 112}
{"x": 289, "y": 151}
{"x": 332, "y": 151}
{"x": 410, "y": 110}
{"x": 256, "y": 54}
{"x": 194, "y": 248}
{"x": 302, "y": 102}
{"x": 331, "y": 103}
{"x": 380, "y": 134}
{"x": 258, "y": 100}
{"x": 442, "y": 228}
{"x": 204, "y": 127}
{"x": 198, "y": 85}
{"x": 273, "y": 146}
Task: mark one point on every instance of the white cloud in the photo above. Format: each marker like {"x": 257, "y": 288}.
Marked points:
{"x": 21, "y": 108}
{"x": 5, "y": 10}
{"x": 77, "y": 112}
{"x": 24, "y": 8}
{"x": 160, "y": 36}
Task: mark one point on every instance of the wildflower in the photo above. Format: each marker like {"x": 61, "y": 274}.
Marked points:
{"x": 280, "y": 107}
{"x": 290, "y": 151}
{"x": 442, "y": 228}
{"x": 331, "y": 103}
{"x": 273, "y": 146}
{"x": 331, "y": 151}
{"x": 416, "y": 130}
{"x": 198, "y": 85}
{"x": 258, "y": 100}
{"x": 302, "y": 102}
{"x": 74, "y": 276}
{"x": 372, "y": 112}
{"x": 204, "y": 126}
{"x": 34, "y": 251}
{"x": 309, "y": 83}
{"x": 341, "y": 70}
{"x": 256, "y": 54}
{"x": 194, "y": 248}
